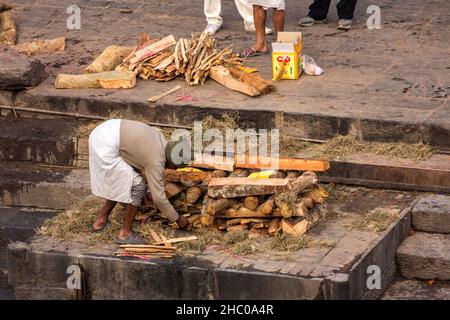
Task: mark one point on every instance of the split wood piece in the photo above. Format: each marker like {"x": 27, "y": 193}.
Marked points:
{"x": 148, "y": 250}
{"x": 226, "y": 77}
{"x": 317, "y": 195}
{"x": 166, "y": 244}
{"x": 214, "y": 206}
{"x": 109, "y": 59}
{"x": 165, "y": 63}
{"x": 213, "y": 162}
{"x": 273, "y": 226}
{"x": 206, "y": 219}
{"x": 106, "y": 80}
{"x": 233, "y": 222}
{"x": 146, "y": 246}
{"x": 280, "y": 163}
{"x": 186, "y": 176}
{"x": 154, "y": 48}
{"x": 218, "y": 174}
{"x": 193, "y": 194}
{"x": 306, "y": 181}
{"x": 251, "y": 202}
{"x": 238, "y": 227}
{"x": 155, "y": 61}
{"x": 165, "y": 93}
{"x": 176, "y": 240}
{"x": 239, "y": 172}
{"x": 245, "y": 213}
{"x": 155, "y": 236}
{"x": 41, "y": 46}
{"x": 8, "y": 30}
{"x": 294, "y": 228}
{"x": 267, "y": 207}
{"x": 172, "y": 189}
{"x": 4, "y": 6}
{"x": 144, "y": 255}
{"x": 255, "y": 220}
{"x": 194, "y": 218}
{"x": 242, "y": 187}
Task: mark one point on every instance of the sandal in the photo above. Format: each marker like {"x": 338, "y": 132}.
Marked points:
{"x": 133, "y": 238}
{"x": 250, "y": 52}
{"x": 92, "y": 230}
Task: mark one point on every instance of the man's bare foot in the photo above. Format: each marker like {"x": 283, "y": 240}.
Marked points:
{"x": 182, "y": 222}
{"x": 99, "y": 223}
{"x": 123, "y": 234}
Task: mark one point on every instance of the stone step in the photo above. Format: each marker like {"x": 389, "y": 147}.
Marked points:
{"x": 40, "y": 186}
{"x": 425, "y": 256}
{"x": 407, "y": 289}
{"x": 19, "y": 224}
{"x": 432, "y": 214}
{"x": 50, "y": 140}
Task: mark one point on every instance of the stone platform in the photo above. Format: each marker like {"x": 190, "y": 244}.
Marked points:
{"x": 336, "y": 269}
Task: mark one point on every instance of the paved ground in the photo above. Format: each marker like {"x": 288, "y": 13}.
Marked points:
{"x": 407, "y": 289}
{"x": 396, "y": 74}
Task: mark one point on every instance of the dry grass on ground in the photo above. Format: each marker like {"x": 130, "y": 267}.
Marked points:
{"x": 378, "y": 220}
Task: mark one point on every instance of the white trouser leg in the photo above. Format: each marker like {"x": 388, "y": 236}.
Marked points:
{"x": 245, "y": 10}
{"x": 212, "y": 9}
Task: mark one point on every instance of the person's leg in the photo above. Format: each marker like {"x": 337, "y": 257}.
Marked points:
{"x": 318, "y": 10}
{"x": 259, "y": 18}
{"x": 245, "y": 10}
{"x": 102, "y": 217}
{"x": 212, "y": 10}
{"x": 345, "y": 9}
{"x": 127, "y": 227}
{"x": 278, "y": 20}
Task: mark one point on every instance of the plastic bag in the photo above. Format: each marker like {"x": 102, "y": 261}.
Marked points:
{"x": 310, "y": 66}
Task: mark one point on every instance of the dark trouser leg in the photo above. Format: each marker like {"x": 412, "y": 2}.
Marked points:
{"x": 318, "y": 10}
{"x": 345, "y": 9}
{"x": 104, "y": 213}
{"x": 127, "y": 228}
{"x": 278, "y": 20}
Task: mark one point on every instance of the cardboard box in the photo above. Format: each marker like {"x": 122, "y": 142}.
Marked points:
{"x": 286, "y": 55}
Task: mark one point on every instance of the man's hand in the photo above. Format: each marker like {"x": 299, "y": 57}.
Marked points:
{"x": 182, "y": 222}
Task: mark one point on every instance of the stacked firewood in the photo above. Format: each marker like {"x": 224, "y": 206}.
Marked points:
{"x": 233, "y": 201}
{"x": 194, "y": 57}
{"x": 165, "y": 59}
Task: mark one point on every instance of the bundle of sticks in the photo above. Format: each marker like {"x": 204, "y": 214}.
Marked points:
{"x": 196, "y": 56}
{"x": 233, "y": 201}
{"x": 146, "y": 251}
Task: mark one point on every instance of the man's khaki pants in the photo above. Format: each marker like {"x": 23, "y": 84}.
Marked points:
{"x": 213, "y": 9}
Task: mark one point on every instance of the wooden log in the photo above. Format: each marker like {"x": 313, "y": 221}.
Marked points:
{"x": 8, "y": 30}
{"x": 218, "y": 174}
{"x": 293, "y": 227}
{"x": 213, "y": 162}
{"x": 273, "y": 226}
{"x": 186, "y": 176}
{"x": 249, "y": 84}
{"x": 257, "y": 220}
{"x": 41, "y": 46}
{"x": 244, "y": 161}
{"x": 292, "y": 174}
{"x": 220, "y": 204}
{"x": 267, "y": 207}
{"x": 238, "y": 227}
{"x": 109, "y": 59}
{"x": 306, "y": 181}
{"x": 177, "y": 240}
{"x": 245, "y": 213}
{"x": 317, "y": 195}
{"x": 165, "y": 93}
{"x": 106, "y": 80}
{"x": 242, "y": 187}
{"x": 4, "y": 6}
{"x": 193, "y": 194}
{"x": 278, "y": 174}
{"x": 233, "y": 222}
{"x": 172, "y": 189}
{"x": 251, "y": 202}
{"x": 154, "y": 48}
